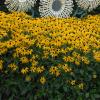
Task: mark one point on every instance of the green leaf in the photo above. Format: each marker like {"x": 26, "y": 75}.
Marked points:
{"x": 87, "y": 95}
{"x": 11, "y": 97}
{"x": 65, "y": 88}
{"x": 26, "y": 89}
{"x": 97, "y": 96}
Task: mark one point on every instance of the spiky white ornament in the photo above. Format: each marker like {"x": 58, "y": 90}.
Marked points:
{"x": 56, "y": 8}
{"x": 19, "y": 5}
{"x": 88, "y": 4}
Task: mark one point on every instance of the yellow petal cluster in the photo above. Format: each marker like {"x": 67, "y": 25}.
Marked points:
{"x": 39, "y": 45}
{"x": 1, "y": 64}
{"x": 42, "y": 80}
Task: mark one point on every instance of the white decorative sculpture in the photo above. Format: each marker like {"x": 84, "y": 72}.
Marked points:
{"x": 88, "y": 4}
{"x": 56, "y": 8}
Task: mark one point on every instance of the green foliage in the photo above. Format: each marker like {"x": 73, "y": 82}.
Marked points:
{"x": 15, "y": 88}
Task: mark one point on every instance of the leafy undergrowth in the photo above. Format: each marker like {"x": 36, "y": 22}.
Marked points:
{"x": 49, "y": 58}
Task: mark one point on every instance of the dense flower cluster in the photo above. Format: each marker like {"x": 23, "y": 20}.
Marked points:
{"x": 46, "y": 47}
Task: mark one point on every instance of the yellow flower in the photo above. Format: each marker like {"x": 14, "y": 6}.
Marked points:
{"x": 3, "y": 33}
{"x": 97, "y": 55}
{"x": 40, "y": 69}
{"x": 24, "y": 60}
{"x": 3, "y": 50}
{"x": 33, "y": 69}
{"x": 77, "y": 62}
{"x": 24, "y": 70}
{"x": 86, "y": 49}
{"x": 10, "y": 44}
{"x": 42, "y": 80}
{"x": 72, "y": 82}
{"x": 81, "y": 86}
{"x": 66, "y": 68}
{"x": 85, "y": 60}
{"x": 57, "y": 73}
{"x": 28, "y": 78}
{"x": 54, "y": 71}
{"x": 13, "y": 66}
{"x": 1, "y": 64}
{"x": 94, "y": 76}
{"x": 68, "y": 59}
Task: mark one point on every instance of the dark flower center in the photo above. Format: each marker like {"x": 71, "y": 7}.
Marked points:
{"x": 56, "y": 6}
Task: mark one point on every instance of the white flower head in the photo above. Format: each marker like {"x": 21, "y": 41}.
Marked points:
{"x": 56, "y": 8}
{"x": 19, "y": 5}
{"x": 88, "y": 4}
